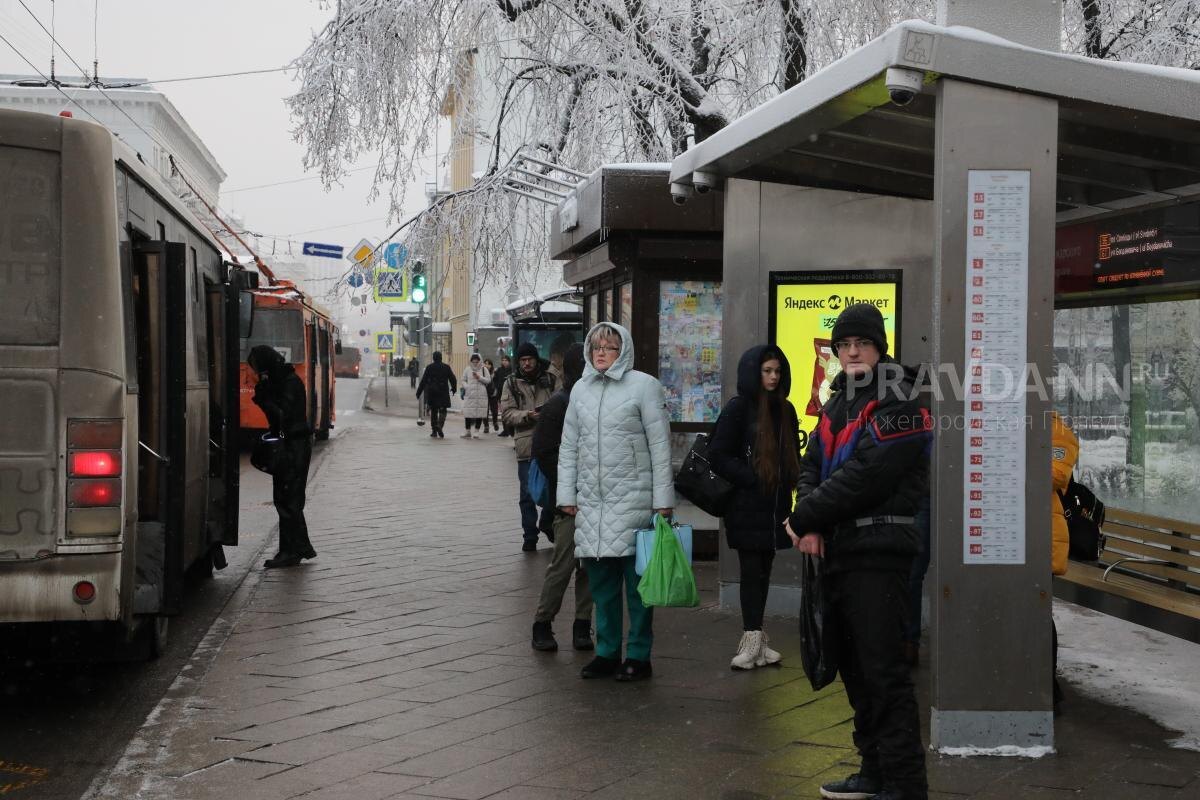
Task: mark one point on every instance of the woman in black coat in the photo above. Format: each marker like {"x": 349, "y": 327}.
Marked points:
{"x": 756, "y": 447}
{"x": 280, "y": 394}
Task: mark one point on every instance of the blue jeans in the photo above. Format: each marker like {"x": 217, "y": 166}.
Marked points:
{"x": 529, "y": 512}
{"x": 916, "y": 577}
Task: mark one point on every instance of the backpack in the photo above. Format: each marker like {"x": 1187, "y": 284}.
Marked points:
{"x": 1085, "y": 517}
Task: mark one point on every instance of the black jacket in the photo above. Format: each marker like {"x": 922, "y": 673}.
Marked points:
{"x": 547, "y": 436}
{"x": 496, "y": 387}
{"x": 867, "y": 459}
{"x": 280, "y": 394}
{"x": 755, "y": 518}
{"x": 438, "y": 384}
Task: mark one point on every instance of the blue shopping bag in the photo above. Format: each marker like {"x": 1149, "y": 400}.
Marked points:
{"x": 537, "y": 484}
{"x": 644, "y": 544}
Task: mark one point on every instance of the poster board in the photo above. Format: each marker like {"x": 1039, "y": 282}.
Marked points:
{"x": 689, "y": 349}
{"x": 803, "y": 308}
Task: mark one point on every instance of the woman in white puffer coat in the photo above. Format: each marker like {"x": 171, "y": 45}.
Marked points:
{"x": 475, "y": 380}
{"x": 614, "y": 472}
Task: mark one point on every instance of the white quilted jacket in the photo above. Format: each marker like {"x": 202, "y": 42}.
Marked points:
{"x": 615, "y": 459}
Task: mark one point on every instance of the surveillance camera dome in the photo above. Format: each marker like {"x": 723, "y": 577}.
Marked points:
{"x": 904, "y": 84}
{"x": 704, "y": 182}
{"x": 680, "y": 192}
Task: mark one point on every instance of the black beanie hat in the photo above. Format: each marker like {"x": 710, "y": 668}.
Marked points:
{"x": 528, "y": 349}
{"x": 861, "y": 319}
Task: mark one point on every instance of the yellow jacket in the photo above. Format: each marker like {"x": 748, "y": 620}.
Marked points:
{"x": 1064, "y": 450}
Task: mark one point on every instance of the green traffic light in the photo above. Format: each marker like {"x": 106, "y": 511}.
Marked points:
{"x": 418, "y": 294}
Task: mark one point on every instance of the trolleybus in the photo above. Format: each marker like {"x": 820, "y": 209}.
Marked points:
{"x": 302, "y": 332}
{"x": 119, "y": 325}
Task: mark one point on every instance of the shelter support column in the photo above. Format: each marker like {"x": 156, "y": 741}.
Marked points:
{"x": 990, "y": 586}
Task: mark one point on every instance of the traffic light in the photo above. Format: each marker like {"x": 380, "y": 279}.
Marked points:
{"x": 417, "y": 291}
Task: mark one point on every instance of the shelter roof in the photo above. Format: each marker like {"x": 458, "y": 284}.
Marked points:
{"x": 1129, "y": 134}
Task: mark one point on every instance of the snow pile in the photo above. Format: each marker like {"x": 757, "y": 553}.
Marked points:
{"x": 1119, "y": 663}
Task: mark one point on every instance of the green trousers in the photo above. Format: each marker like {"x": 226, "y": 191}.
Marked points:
{"x": 605, "y": 576}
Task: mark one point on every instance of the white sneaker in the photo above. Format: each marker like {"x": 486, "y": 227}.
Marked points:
{"x": 749, "y": 651}
{"x": 477, "y": 435}
{"x": 767, "y": 655}
{"x": 466, "y": 435}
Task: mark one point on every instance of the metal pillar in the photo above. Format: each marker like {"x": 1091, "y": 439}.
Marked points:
{"x": 1037, "y": 23}
{"x": 991, "y": 621}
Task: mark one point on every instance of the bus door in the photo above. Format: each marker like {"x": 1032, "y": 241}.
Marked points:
{"x": 315, "y": 389}
{"x": 160, "y": 299}
{"x": 224, "y": 406}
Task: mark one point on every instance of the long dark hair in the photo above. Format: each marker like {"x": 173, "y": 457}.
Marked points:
{"x": 775, "y": 460}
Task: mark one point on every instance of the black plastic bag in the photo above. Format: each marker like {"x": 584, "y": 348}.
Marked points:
{"x": 697, "y": 482}
{"x": 267, "y": 454}
{"x": 818, "y": 652}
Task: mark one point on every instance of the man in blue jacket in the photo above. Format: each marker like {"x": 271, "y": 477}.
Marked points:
{"x": 861, "y": 481}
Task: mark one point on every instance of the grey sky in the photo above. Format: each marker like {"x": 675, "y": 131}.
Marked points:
{"x": 242, "y": 120}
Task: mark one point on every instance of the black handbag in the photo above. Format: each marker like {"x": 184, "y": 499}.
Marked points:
{"x": 267, "y": 454}
{"x": 1085, "y": 520}
{"x": 818, "y": 652}
{"x": 698, "y": 483}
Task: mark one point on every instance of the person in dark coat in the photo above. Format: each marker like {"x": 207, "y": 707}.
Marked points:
{"x": 547, "y": 435}
{"x": 861, "y": 480}
{"x": 280, "y": 394}
{"x": 414, "y": 370}
{"x": 756, "y": 447}
{"x": 493, "y": 398}
{"x": 498, "y": 379}
{"x": 438, "y": 384}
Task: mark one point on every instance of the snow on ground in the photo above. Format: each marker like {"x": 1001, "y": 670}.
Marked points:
{"x": 1119, "y": 663}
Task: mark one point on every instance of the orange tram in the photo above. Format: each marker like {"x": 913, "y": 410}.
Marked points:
{"x": 303, "y": 333}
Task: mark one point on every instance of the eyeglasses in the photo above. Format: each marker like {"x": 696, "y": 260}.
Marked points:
{"x": 605, "y": 348}
{"x": 854, "y": 342}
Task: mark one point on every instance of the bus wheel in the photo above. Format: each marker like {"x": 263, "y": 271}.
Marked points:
{"x": 156, "y": 636}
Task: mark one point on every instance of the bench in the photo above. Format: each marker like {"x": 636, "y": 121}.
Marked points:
{"x": 1148, "y": 573}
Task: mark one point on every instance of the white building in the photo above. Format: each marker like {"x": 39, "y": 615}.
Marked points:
{"x": 141, "y": 116}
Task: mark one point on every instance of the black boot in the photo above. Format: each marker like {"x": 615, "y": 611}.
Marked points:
{"x": 543, "y": 637}
{"x": 600, "y": 667}
{"x": 581, "y": 634}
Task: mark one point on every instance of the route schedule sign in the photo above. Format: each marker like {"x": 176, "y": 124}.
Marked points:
{"x": 804, "y": 306}
{"x": 997, "y": 308}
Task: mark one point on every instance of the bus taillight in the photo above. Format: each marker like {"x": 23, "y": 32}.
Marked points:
{"x": 93, "y": 493}
{"x": 95, "y": 464}
{"x": 94, "y": 434}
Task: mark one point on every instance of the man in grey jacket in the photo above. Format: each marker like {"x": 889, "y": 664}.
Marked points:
{"x": 523, "y": 395}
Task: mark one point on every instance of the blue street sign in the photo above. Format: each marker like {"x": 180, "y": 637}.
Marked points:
{"x": 395, "y": 254}
{"x": 323, "y": 250}
{"x": 355, "y": 280}
{"x": 385, "y": 343}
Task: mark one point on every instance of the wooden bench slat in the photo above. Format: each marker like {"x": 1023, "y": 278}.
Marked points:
{"x": 1142, "y": 534}
{"x": 1134, "y": 589}
{"x": 1150, "y": 521}
{"x": 1129, "y": 547}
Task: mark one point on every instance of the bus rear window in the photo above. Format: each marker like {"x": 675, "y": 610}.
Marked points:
{"x": 30, "y": 246}
{"x": 281, "y": 328}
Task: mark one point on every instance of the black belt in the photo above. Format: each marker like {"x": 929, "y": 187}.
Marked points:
{"x": 866, "y": 522}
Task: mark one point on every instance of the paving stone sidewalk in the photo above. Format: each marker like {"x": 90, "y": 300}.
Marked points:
{"x": 397, "y": 665}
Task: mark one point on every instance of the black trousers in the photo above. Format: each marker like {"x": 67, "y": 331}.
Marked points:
{"x": 437, "y": 419}
{"x": 288, "y": 493}
{"x": 868, "y": 609}
{"x": 493, "y": 411}
{"x": 756, "y": 581}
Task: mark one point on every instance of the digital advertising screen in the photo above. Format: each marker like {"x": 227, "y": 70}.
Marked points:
{"x": 804, "y": 306}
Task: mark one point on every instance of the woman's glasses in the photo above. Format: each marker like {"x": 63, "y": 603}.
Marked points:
{"x": 605, "y": 348}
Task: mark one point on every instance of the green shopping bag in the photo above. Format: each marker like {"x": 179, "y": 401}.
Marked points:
{"x": 668, "y": 579}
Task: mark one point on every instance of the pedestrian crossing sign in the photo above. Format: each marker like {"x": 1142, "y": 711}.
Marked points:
{"x": 385, "y": 342}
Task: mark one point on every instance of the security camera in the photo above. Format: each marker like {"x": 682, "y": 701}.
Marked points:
{"x": 705, "y": 181}
{"x": 903, "y": 84}
{"x": 680, "y": 192}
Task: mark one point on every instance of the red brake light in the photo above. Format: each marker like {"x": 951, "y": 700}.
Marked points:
{"x": 94, "y": 434}
{"x": 84, "y": 592}
{"x": 95, "y": 464}
{"x": 94, "y": 493}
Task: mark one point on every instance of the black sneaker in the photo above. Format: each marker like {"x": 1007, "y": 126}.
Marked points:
{"x": 581, "y": 634}
{"x": 855, "y": 787}
{"x": 282, "y": 560}
{"x": 529, "y": 547}
{"x": 543, "y": 637}
{"x": 309, "y": 553}
{"x": 634, "y": 670}
{"x": 600, "y": 667}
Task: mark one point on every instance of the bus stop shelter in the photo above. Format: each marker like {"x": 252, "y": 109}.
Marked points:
{"x": 989, "y": 138}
